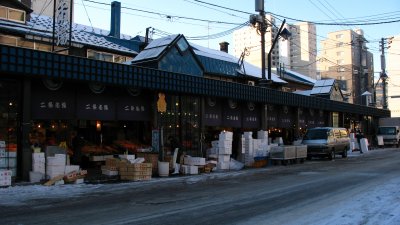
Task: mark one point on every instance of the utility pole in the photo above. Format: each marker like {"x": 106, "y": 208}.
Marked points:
{"x": 360, "y": 71}
{"x": 262, "y": 27}
{"x": 383, "y": 74}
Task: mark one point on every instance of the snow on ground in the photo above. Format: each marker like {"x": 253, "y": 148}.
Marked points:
{"x": 377, "y": 205}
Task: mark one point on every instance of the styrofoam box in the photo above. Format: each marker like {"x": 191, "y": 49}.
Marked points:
{"x": 38, "y": 156}
{"x": 214, "y": 143}
{"x": 79, "y": 181}
{"x": 5, "y": 183}
{"x": 226, "y": 135}
{"x": 223, "y": 165}
{"x": 11, "y": 154}
{"x": 224, "y": 150}
{"x": 128, "y": 157}
{"x": 55, "y": 161}
{"x": 190, "y": 169}
{"x": 224, "y": 158}
{"x": 71, "y": 168}
{"x": 35, "y": 177}
{"x": 194, "y": 161}
{"x": 224, "y": 143}
{"x": 5, "y": 173}
{"x": 3, "y": 153}
{"x": 38, "y": 168}
{"x": 2, "y": 144}
{"x": 109, "y": 172}
{"x": 262, "y": 134}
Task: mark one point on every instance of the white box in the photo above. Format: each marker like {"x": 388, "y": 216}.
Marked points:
{"x": 214, "y": 144}
{"x": 226, "y": 150}
{"x": 3, "y": 153}
{"x": 225, "y": 143}
{"x": 262, "y": 134}
{"x": 186, "y": 169}
{"x": 223, "y": 165}
{"x": 5, "y": 182}
{"x": 109, "y": 172}
{"x": 226, "y": 135}
{"x": 224, "y": 158}
{"x": 5, "y": 174}
{"x": 37, "y": 156}
{"x": 71, "y": 168}
{"x": 194, "y": 161}
{"x": 79, "y": 181}
{"x": 128, "y": 157}
{"x": 2, "y": 144}
{"x": 55, "y": 161}
{"x": 35, "y": 177}
{"x": 38, "y": 168}
{"x": 59, "y": 182}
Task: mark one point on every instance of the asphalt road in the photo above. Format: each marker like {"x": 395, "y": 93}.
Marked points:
{"x": 293, "y": 194}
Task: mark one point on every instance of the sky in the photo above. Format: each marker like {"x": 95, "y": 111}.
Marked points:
{"x": 194, "y": 18}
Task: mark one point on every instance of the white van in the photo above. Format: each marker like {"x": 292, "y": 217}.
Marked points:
{"x": 326, "y": 141}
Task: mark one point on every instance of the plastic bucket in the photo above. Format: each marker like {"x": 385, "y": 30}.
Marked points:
{"x": 163, "y": 169}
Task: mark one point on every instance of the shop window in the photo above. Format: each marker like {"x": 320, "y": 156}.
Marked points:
{"x": 12, "y": 14}
{"x": 16, "y": 15}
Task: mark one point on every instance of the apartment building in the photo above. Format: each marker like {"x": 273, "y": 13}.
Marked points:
{"x": 393, "y": 72}
{"x": 249, "y": 38}
{"x": 297, "y": 54}
{"x": 303, "y": 49}
{"x": 345, "y": 57}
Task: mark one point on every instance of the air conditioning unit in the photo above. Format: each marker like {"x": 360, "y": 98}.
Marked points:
{"x": 251, "y": 83}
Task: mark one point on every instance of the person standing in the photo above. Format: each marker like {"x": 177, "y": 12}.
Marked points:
{"x": 359, "y": 136}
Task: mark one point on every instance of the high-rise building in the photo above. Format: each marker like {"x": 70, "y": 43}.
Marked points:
{"x": 303, "y": 49}
{"x": 298, "y": 53}
{"x": 344, "y": 56}
{"x": 249, "y": 38}
{"x": 393, "y": 72}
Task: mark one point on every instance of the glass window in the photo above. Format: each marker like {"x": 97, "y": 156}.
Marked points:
{"x": 338, "y": 36}
{"x": 182, "y": 45}
{"x": 17, "y": 15}
{"x": 3, "y": 12}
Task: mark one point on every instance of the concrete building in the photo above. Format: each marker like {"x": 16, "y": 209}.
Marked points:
{"x": 297, "y": 54}
{"x": 345, "y": 57}
{"x": 393, "y": 72}
{"x": 303, "y": 49}
{"x": 249, "y": 38}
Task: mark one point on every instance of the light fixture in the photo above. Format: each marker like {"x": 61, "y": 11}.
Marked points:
{"x": 98, "y": 125}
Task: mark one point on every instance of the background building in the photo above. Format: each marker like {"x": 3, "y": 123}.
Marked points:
{"x": 393, "y": 72}
{"x": 344, "y": 56}
{"x": 297, "y": 54}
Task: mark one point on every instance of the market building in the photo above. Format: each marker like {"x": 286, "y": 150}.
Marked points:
{"x": 109, "y": 94}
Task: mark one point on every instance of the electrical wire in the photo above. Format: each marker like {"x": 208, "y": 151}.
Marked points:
{"x": 87, "y": 14}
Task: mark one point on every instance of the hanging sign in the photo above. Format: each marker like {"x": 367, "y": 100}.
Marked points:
{"x": 63, "y": 22}
{"x": 46, "y": 104}
{"x": 232, "y": 115}
{"x": 251, "y": 116}
{"x": 133, "y": 108}
{"x": 161, "y": 103}
{"x": 212, "y": 112}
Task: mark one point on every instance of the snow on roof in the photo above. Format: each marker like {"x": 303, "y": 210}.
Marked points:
{"x": 155, "y": 48}
{"x": 301, "y": 76}
{"x": 249, "y": 69}
{"x": 306, "y": 92}
{"x": 81, "y": 34}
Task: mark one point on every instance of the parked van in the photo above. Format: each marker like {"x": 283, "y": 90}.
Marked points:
{"x": 326, "y": 141}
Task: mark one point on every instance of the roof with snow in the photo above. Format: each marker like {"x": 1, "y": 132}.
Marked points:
{"x": 219, "y": 62}
{"x": 297, "y": 77}
{"x": 42, "y": 26}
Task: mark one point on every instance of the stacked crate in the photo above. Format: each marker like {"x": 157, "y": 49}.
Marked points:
{"x": 136, "y": 171}
{"x": 224, "y": 150}
{"x": 38, "y": 167}
{"x": 56, "y": 165}
{"x": 111, "y": 167}
{"x": 249, "y": 148}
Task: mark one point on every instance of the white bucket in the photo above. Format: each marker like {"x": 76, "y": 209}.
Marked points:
{"x": 163, "y": 169}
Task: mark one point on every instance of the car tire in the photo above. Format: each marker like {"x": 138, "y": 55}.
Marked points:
{"x": 332, "y": 154}
{"x": 344, "y": 154}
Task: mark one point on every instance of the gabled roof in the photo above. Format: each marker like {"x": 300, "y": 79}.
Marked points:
{"x": 323, "y": 87}
{"x": 219, "y": 62}
{"x": 156, "y": 48}
{"x": 298, "y": 77}
{"x": 42, "y": 26}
